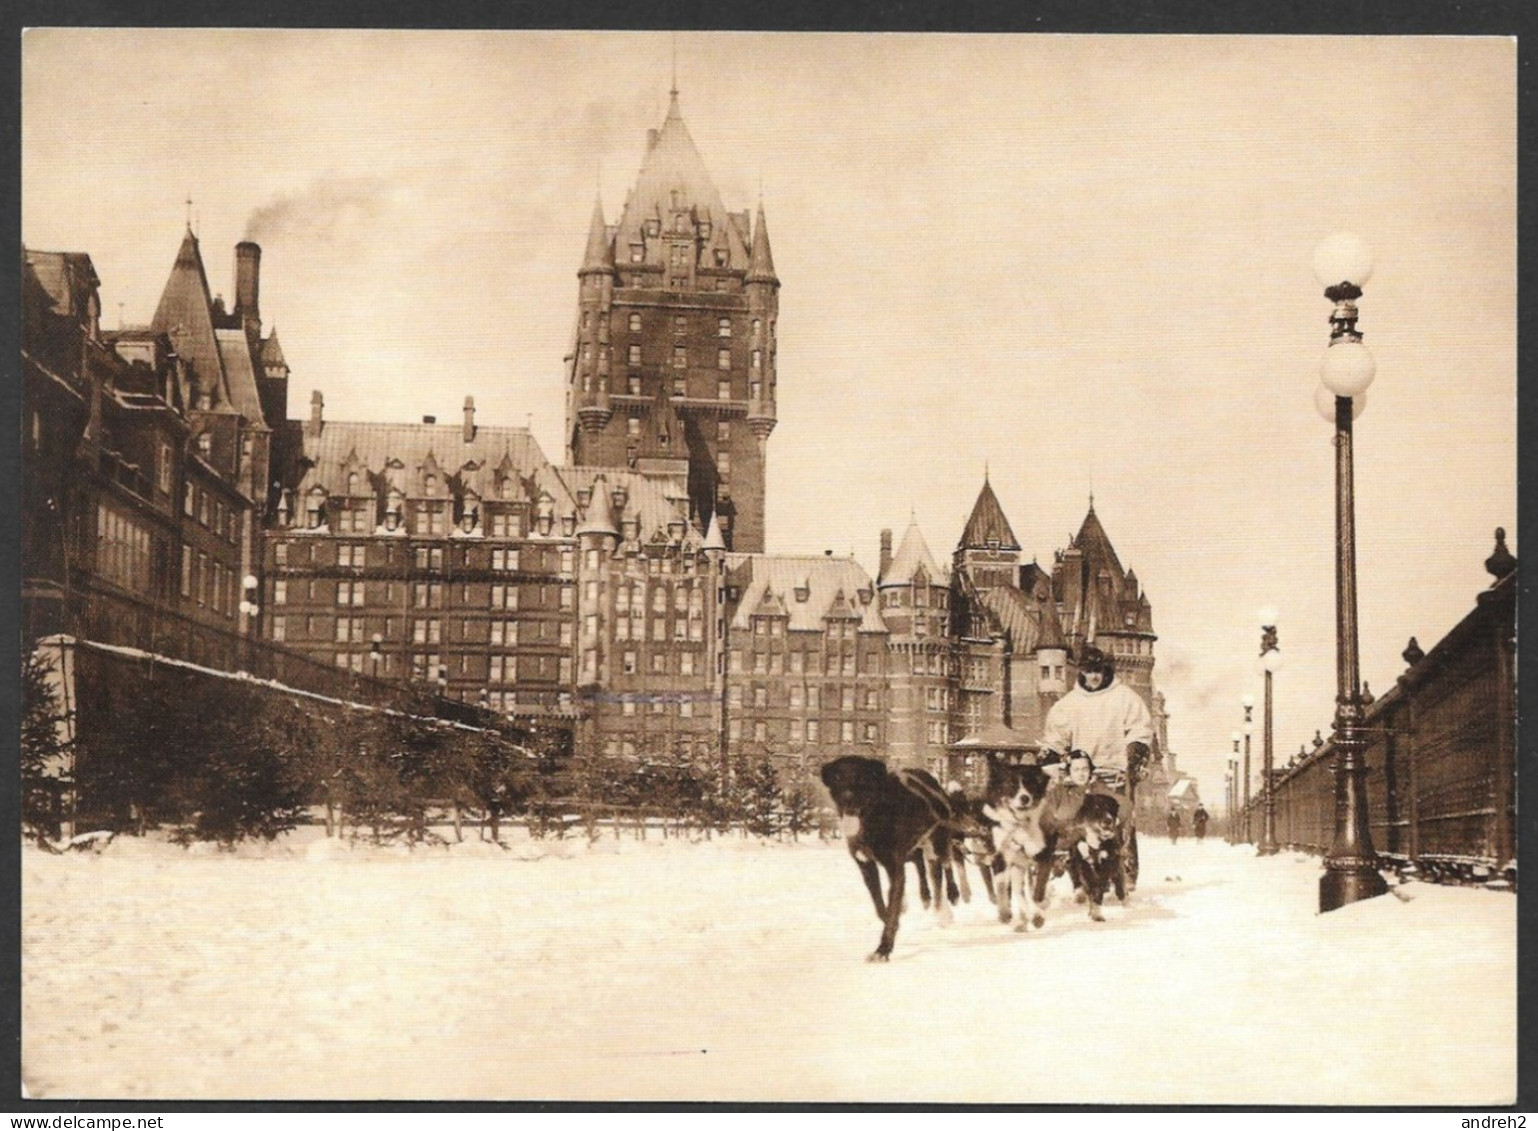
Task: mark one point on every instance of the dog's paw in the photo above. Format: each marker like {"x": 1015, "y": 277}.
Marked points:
{"x": 1004, "y": 915}
{"x": 1080, "y": 897}
{"x": 877, "y": 956}
{"x": 1038, "y": 921}
{"x": 1020, "y": 926}
{"x": 1096, "y": 914}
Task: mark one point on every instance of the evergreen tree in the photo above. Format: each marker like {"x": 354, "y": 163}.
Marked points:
{"x": 44, "y": 752}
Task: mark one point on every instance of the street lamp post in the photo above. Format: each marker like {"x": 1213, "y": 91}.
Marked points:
{"x": 1343, "y": 264}
{"x": 250, "y": 610}
{"x": 1233, "y": 811}
{"x": 1270, "y": 660}
{"x": 1249, "y": 729}
{"x": 1228, "y": 803}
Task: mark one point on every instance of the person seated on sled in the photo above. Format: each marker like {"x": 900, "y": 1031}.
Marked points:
{"x": 1109, "y": 721}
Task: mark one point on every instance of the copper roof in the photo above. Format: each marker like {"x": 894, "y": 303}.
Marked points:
{"x": 673, "y": 177}
{"x": 810, "y": 588}
{"x": 988, "y": 526}
{"x": 912, "y": 554}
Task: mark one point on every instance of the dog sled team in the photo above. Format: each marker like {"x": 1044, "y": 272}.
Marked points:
{"x": 1073, "y": 811}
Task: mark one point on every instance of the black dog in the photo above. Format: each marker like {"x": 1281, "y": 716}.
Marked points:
{"x": 887, "y": 819}
{"x": 1094, "y": 841}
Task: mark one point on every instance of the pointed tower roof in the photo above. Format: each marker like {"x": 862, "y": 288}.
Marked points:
{"x": 1093, "y": 542}
{"x": 988, "y": 524}
{"x": 714, "y": 539}
{"x": 185, "y": 313}
{"x": 599, "y": 517}
{"x": 911, "y": 554}
{"x": 599, "y": 255}
{"x": 761, "y": 262}
{"x": 272, "y": 352}
{"x": 673, "y": 178}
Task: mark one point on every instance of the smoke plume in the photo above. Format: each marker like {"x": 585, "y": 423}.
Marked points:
{"x": 323, "y": 212}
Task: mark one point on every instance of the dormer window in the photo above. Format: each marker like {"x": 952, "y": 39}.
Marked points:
{"x": 654, "y": 227}
{"x": 205, "y": 443}
{"x": 430, "y": 485}
{"x": 637, "y": 252}
{"x": 721, "y": 258}
{"x": 352, "y": 482}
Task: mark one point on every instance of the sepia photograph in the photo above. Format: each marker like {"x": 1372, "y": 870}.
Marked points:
{"x": 455, "y": 667}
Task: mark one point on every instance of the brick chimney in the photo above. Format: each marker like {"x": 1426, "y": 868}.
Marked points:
{"x": 248, "y": 282}
{"x": 886, "y": 554}
{"x": 317, "y": 405}
{"x": 469, "y": 419}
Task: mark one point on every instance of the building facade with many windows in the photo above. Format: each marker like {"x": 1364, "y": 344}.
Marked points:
{"x": 625, "y": 590}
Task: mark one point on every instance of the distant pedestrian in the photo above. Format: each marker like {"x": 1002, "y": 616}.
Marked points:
{"x": 1173, "y": 821}
{"x": 1199, "y": 822}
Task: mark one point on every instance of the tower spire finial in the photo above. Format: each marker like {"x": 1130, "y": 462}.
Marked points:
{"x": 673, "y": 90}
{"x": 188, "y": 202}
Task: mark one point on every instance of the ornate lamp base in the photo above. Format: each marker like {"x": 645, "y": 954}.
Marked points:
{"x": 1348, "y": 883}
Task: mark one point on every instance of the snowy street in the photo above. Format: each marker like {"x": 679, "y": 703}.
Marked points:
{"x": 734, "y": 969}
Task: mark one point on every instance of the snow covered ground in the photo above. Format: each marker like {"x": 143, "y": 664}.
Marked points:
{"x": 733, "y": 969}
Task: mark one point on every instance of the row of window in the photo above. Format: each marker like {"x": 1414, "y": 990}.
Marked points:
{"x": 625, "y": 746}
{"x": 208, "y": 581}
{"x": 663, "y": 663}
{"x": 422, "y": 594}
{"x": 809, "y": 730}
{"x": 773, "y": 624}
{"x": 811, "y": 696}
{"x": 919, "y": 596}
{"x": 122, "y": 550}
{"x": 429, "y": 667}
{"x": 208, "y": 510}
{"x": 806, "y": 663}
{"x": 359, "y": 555}
{"x": 634, "y": 628}
{"x": 681, "y": 706}
{"x": 421, "y": 630}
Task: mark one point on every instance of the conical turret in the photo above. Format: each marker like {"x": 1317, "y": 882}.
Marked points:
{"x": 761, "y": 261}
{"x": 599, "y": 256}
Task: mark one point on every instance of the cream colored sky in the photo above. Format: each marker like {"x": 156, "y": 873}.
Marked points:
{"x": 1071, "y": 259}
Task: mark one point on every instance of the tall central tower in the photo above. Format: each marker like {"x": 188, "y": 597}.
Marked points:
{"x": 672, "y": 368}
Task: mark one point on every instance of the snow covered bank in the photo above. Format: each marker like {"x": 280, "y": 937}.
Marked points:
{"x": 733, "y": 969}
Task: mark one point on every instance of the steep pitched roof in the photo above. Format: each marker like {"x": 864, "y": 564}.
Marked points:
{"x": 714, "y": 539}
{"x": 598, "y": 517}
{"x": 988, "y": 524}
{"x": 645, "y": 498}
{"x": 272, "y": 352}
{"x": 1017, "y": 614}
{"x": 1095, "y": 544}
{"x": 912, "y": 553}
{"x": 185, "y": 314}
{"x": 68, "y": 278}
{"x": 830, "y": 585}
{"x": 600, "y": 249}
{"x": 761, "y": 263}
{"x": 673, "y": 176}
{"x": 240, "y": 378}
{"x": 395, "y": 454}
